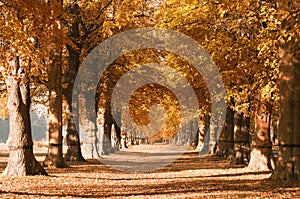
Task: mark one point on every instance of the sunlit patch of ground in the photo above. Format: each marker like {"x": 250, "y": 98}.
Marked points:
{"x": 187, "y": 177}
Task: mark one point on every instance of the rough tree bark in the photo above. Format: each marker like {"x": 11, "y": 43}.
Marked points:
{"x": 288, "y": 164}
{"x": 118, "y": 126}
{"x": 72, "y": 137}
{"x": 261, "y": 157}
{"x": 225, "y": 145}
{"x": 213, "y": 131}
{"x": 88, "y": 130}
{"x": 108, "y": 122}
{"x": 55, "y": 154}
{"x": 54, "y": 157}
{"x": 204, "y": 128}
{"x": 21, "y": 159}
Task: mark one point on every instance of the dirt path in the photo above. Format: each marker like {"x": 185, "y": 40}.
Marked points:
{"x": 187, "y": 177}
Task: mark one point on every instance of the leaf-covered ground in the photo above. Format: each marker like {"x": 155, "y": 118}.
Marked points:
{"x": 187, "y": 177}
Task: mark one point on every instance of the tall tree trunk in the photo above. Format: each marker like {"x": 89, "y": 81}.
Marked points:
{"x": 21, "y": 160}
{"x": 195, "y": 142}
{"x": 204, "y": 129}
{"x": 55, "y": 154}
{"x": 225, "y": 145}
{"x": 108, "y": 122}
{"x": 241, "y": 137}
{"x": 288, "y": 164}
{"x": 118, "y": 126}
{"x": 73, "y": 139}
{"x": 88, "y": 130}
{"x": 54, "y": 157}
{"x": 261, "y": 157}
{"x": 193, "y": 133}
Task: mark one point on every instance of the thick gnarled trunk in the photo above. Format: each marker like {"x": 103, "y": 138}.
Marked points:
{"x": 261, "y": 157}
{"x": 21, "y": 159}
{"x": 288, "y": 164}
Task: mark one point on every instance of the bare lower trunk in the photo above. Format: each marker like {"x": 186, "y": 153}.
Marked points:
{"x": 261, "y": 155}
{"x": 55, "y": 154}
{"x": 225, "y": 145}
{"x": 114, "y": 139}
{"x": 108, "y": 122}
{"x": 200, "y": 134}
{"x": 241, "y": 138}
{"x": 204, "y": 126}
{"x": 73, "y": 140}
{"x": 117, "y": 128}
{"x": 88, "y": 130}
{"x": 21, "y": 160}
{"x": 195, "y": 142}
{"x": 100, "y": 131}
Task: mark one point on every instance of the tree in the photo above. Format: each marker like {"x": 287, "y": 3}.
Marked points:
{"x": 90, "y": 23}
{"x": 21, "y": 159}
{"x": 23, "y": 24}
{"x": 54, "y": 84}
{"x": 85, "y": 21}
{"x": 247, "y": 58}
{"x": 117, "y": 16}
{"x": 225, "y": 145}
{"x": 261, "y": 154}
{"x": 288, "y": 163}
{"x": 55, "y": 154}
{"x": 72, "y": 137}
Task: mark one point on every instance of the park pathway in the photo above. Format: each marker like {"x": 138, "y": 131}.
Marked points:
{"x": 186, "y": 177}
